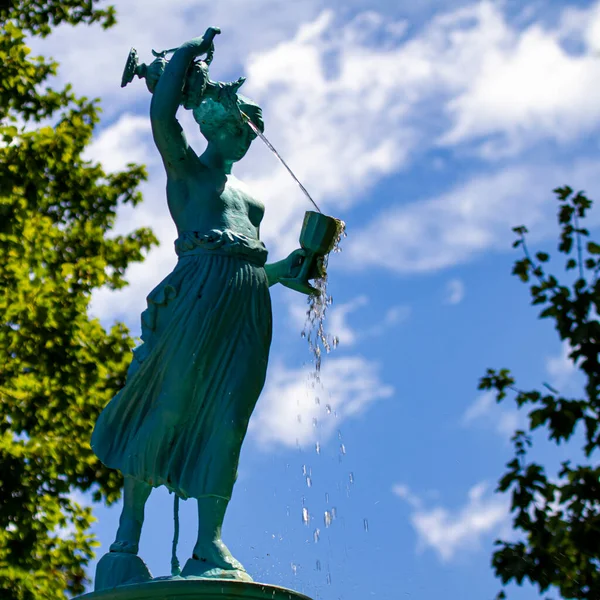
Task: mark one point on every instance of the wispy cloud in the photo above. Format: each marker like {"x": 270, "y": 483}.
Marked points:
{"x": 474, "y": 217}
{"x": 294, "y": 409}
{"x": 455, "y": 291}
{"x": 524, "y": 85}
{"x": 485, "y": 412}
{"x": 128, "y": 140}
{"x": 338, "y": 323}
{"x": 562, "y": 370}
{"x": 448, "y": 531}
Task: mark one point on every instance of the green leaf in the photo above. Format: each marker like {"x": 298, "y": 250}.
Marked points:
{"x": 593, "y": 248}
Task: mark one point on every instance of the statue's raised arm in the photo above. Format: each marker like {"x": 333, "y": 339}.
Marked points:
{"x": 168, "y": 95}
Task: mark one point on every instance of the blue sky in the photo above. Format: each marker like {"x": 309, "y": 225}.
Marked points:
{"x": 431, "y": 128}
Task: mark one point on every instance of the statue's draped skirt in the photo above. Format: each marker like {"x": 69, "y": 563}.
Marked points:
{"x": 194, "y": 381}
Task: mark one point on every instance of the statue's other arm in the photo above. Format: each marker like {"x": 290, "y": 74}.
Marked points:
{"x": 166, "y": 130}
{"x": 289, "y": 267}
{"x": 275, "y": 271}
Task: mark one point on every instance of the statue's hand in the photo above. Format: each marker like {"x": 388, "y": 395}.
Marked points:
{"x": 293, "y": 263}
{"x": 203, "y": 44}
{"x": 207, "y": 39}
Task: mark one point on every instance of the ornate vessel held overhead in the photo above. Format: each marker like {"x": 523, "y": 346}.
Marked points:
{"x": 196, "y": 80}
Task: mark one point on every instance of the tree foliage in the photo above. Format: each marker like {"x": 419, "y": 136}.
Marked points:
{"x": 558, "y": 517}
{"x": 58, "y": 367}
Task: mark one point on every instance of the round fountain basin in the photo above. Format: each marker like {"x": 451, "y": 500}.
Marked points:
{"x": 195, "y": 589}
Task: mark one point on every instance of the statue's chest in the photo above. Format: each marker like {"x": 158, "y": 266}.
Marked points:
{"x": 237, "y": 200}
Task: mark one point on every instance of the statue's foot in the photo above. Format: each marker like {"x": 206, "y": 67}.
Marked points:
{"x": 128, "y": 537}
{"x": 124, "y": 547}
{"x": 118, "y": 568}
{"x": 213, "y": 560}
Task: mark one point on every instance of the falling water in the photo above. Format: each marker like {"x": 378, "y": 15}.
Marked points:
{"x": 319, "y": 342}
{"x": 314, "y": 328}
{"x": 270, "y": 146}
{"x": 305, "y": 516}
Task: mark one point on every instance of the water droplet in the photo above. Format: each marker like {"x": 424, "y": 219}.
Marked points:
{"x": 315, "y": 421}
{"x": 317, "y": 400}
{"x": 339, "y": 434}
{"x": 318, "y": 448}
{"x": 333, "y": 513}
{"x": 294, "y": 568}
{"x": 308, "y": 481}
{"x": 342, "y": 449}
{"x": 304, "y": 470}
{"x": 366, "y": 525}
{"x": 318, "y": 565}
{"x": 328, "y": 409}
{"x": 351, "y": 477}
{"x": 328, "y": 578}
{"x": 305, "y": 516}
{"x": 287, "y": 510}
{"x": 299, "y": 417}
{"x": 327, "y": 518}
{"x": 316, "y": 535}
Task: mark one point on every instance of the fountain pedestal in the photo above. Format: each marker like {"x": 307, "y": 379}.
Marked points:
{"x": 195, "y": 589}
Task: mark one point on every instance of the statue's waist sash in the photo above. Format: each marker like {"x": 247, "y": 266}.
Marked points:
{"x": 224, "y": 243}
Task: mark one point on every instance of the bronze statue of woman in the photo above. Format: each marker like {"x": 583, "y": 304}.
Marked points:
{"x": 193, "y": 383}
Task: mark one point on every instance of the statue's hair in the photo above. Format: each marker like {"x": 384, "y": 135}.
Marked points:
{"x": 253, "y": 110}
{"x": 213, "y": 116}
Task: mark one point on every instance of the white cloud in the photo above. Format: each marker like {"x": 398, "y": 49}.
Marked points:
{"x": 485, "y": 412}
{"x": 294, "y": 409}
{"x": 128, "y": 303}
{"x": 474, "y": 217}
{"x": 455, "y": 291}
{"x": 524, "y": 85}
{"x": 561, "y": 369}
{"x": 129, "y": 140}
{"x": 448, "y": 532}
{"x": 337, "y": 319}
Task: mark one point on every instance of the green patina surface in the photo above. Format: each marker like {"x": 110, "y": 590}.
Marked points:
{"x": 189, "y": 589}
{"x": 194, "y": 381}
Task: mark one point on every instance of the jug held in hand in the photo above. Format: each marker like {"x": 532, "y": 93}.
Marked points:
{"x": 317, "y": 238}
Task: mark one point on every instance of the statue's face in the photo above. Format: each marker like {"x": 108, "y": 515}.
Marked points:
{"x": 225, "y": 131}
{"x": 232, "y": 140}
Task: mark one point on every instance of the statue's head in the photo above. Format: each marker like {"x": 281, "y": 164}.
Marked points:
{"x": 223, "y": 127}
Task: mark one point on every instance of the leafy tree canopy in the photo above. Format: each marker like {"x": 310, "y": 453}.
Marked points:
{"x": 58, "y": 367}
{"x": 557, "y": 515}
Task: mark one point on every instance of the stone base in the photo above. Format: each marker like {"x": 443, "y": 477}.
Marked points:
{"x": 176, "y": 588}
{"x": 119, "y": 568}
